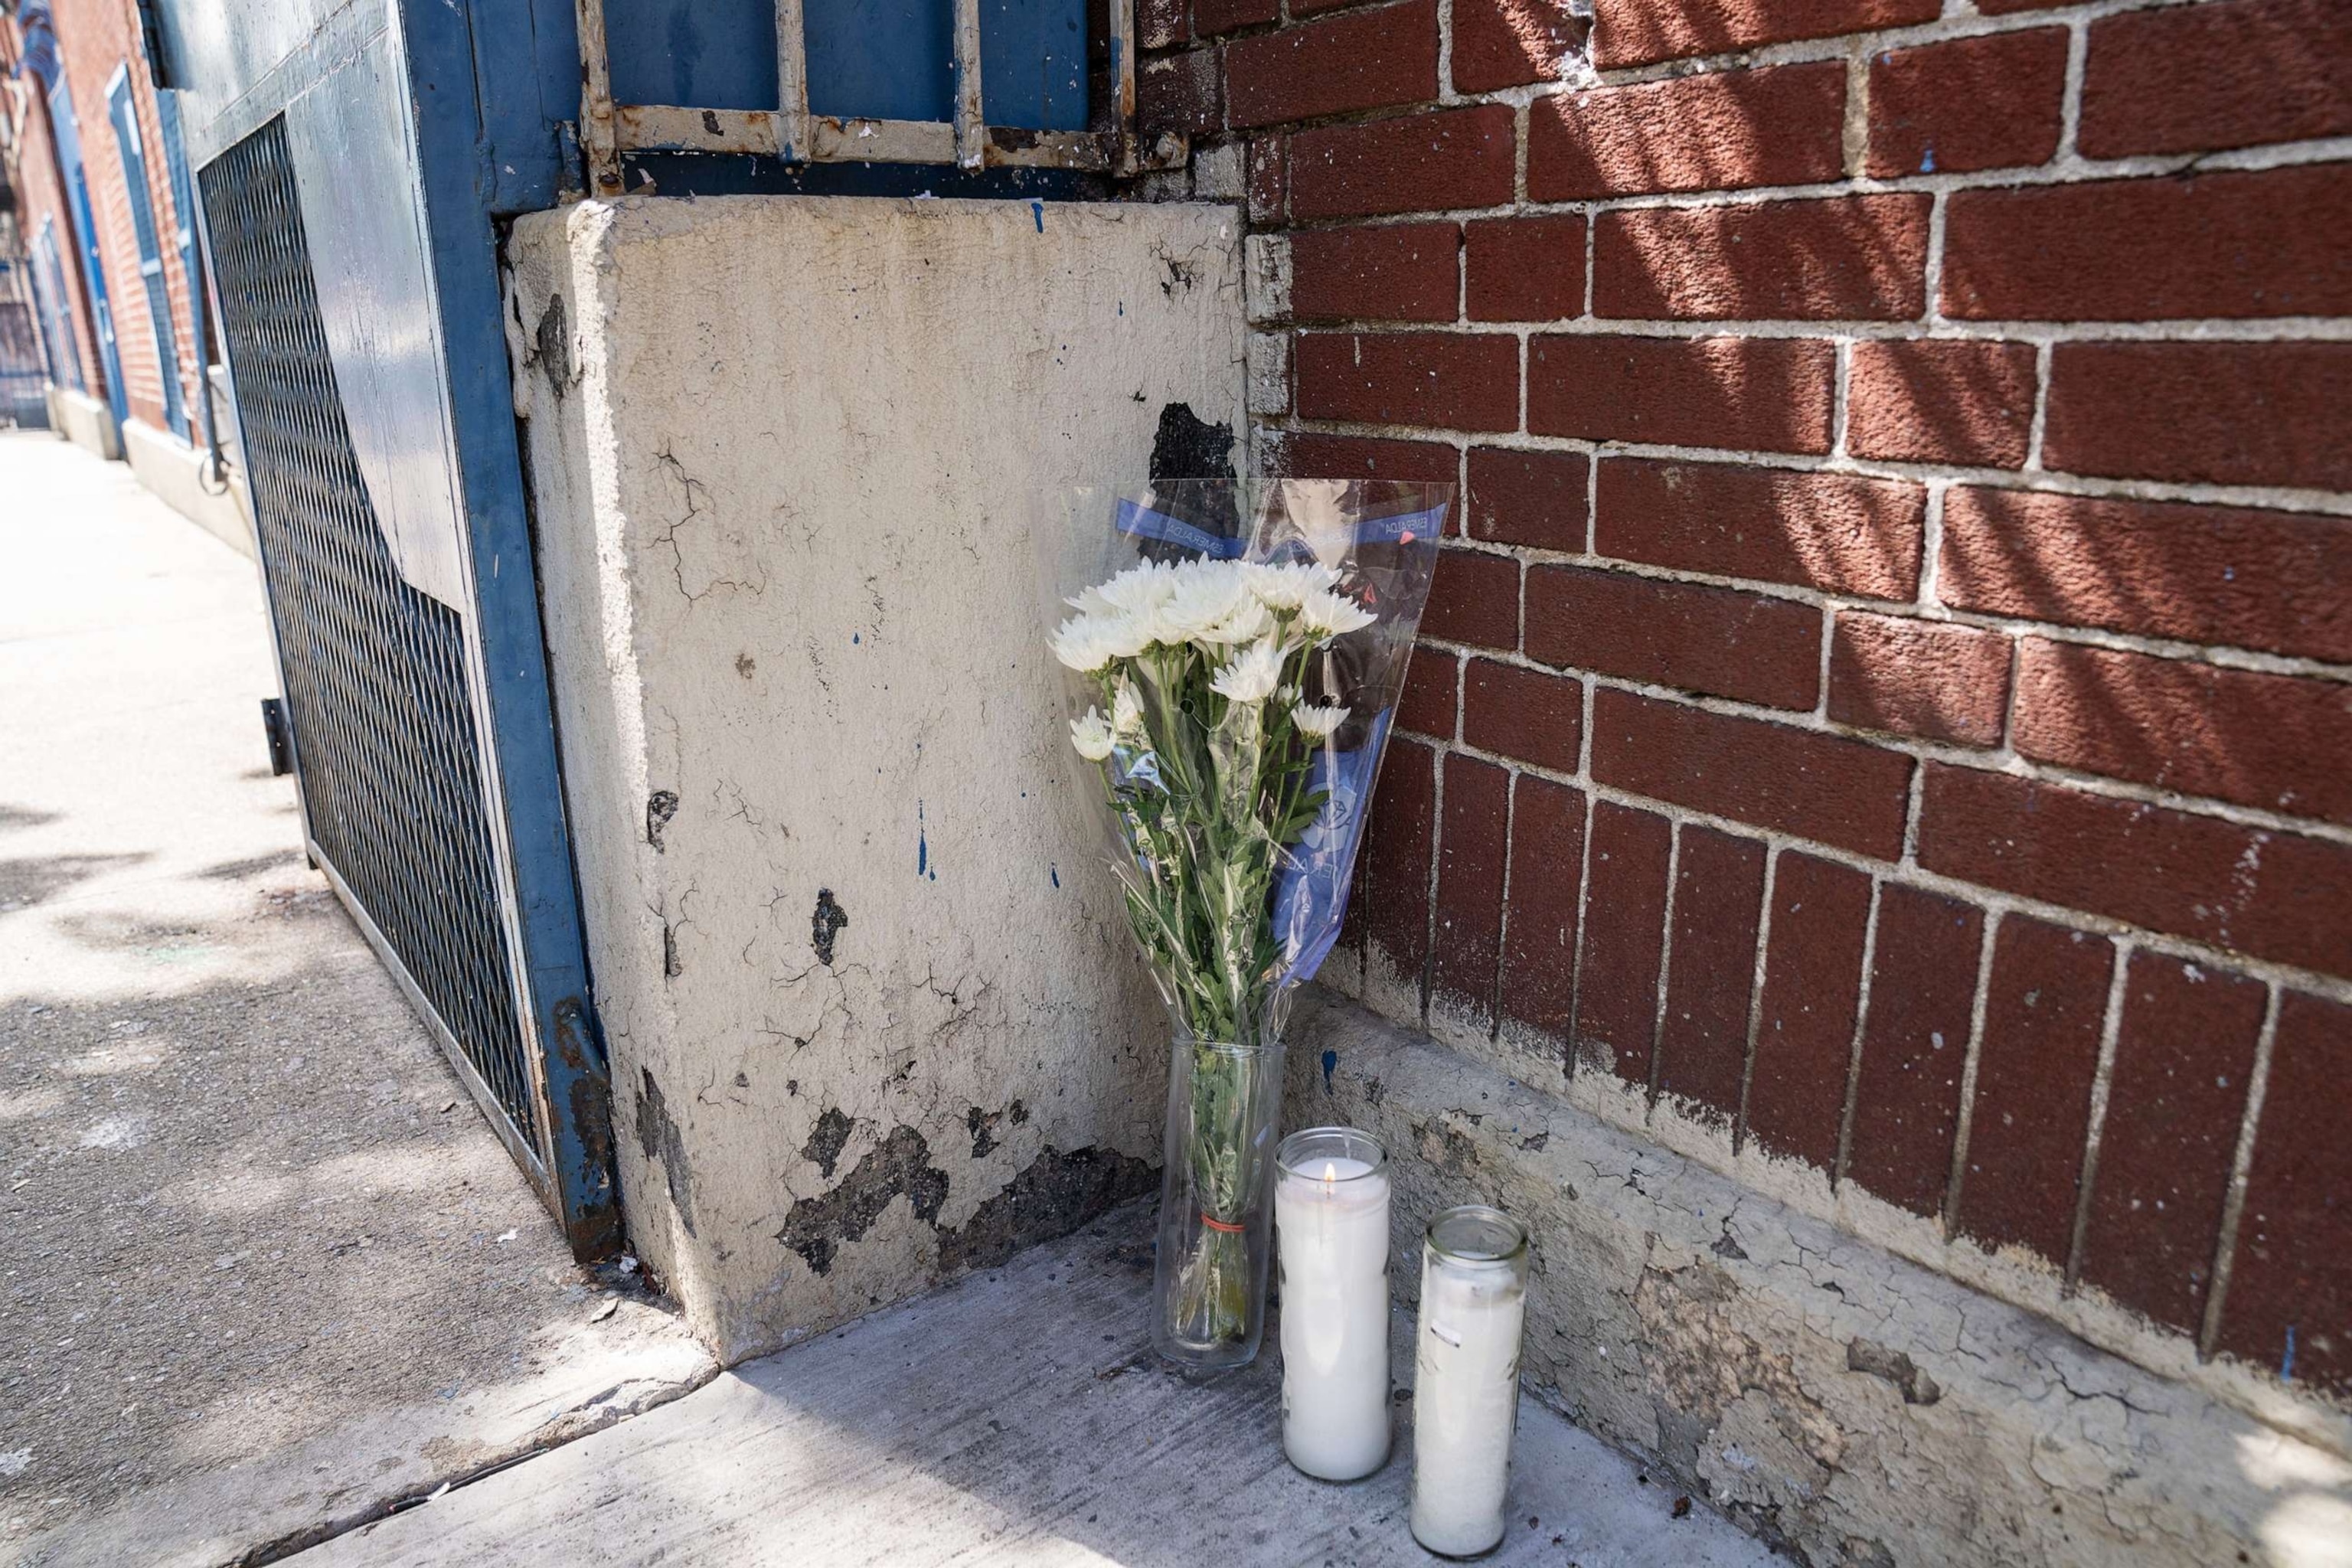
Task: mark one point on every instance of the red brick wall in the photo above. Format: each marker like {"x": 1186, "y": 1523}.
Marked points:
{"x": 41, "y": 200}
{"x": 95, "y": 38}
{"x": 1887, "y": 701}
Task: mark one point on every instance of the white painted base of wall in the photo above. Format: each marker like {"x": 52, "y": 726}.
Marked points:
{"x": 873, "y": 1011}
{"x": 85, "y": 421}
{"x": 1824, "y": 1391}
{"x": 175, "y": 471}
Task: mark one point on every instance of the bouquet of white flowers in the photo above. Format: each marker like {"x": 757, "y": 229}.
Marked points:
{"x": 1238, "y": 691}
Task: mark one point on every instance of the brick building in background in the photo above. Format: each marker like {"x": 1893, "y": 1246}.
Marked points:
{"x": 106, "y": 206}
{"x": 1881, "y": 725}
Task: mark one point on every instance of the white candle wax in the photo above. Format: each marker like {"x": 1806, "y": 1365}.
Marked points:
{"x": 1332, "y": 1223}
{"x": 1465, "y": 1402}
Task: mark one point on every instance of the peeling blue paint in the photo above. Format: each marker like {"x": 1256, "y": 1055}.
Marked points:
{"x": 922, "y": 844}
{"x": 1055, "y": 872}
{"x": 1330, "y": 1060}
{"x": 1038, "y": 210}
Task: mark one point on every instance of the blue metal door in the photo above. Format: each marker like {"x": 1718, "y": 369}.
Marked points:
{"x": 346, "y": 205}
{"x": 93, "y": 267}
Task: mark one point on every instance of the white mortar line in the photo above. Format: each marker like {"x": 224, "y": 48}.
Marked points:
{"x": 1591, "y": 233}
{"x": 2040, "y": 423}
{"x": 1820, "y": 709}
{"x": 1446, "y": 93}
{"x": 2242, "y": 1163}
{"x": 2087, "y": 487}
{"x": 1665, "y": 962}
{"x": 1860, "y": 1029}
{"x": 1755, "y": 999}
{"x": 2094, "y": 1131}
{"x": 2273, "y": 155}
{"x": 1943, "y": 328}
{"x": 1436, "y": 865}
{"x": 1503, "y": 923}
{"x": 1583, "y": 905}
{"x": 1928, "y": 750}
{"x": 1964, "y": 1114}
{"x": 1841, "y": 397}
{"x": 1931, "y": 551}
{"x": 2070, "y": 103}
{"x": 1853, "y": 127}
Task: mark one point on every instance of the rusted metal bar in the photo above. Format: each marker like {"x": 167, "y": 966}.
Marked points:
{"x": 598, "y": 140}
{"x": 970, "y": 128}
{"x": 1122, "y": 81}
{"x": 833, "y": 141}
{"x": 792, "y": 82}
{"x": 670, "y": 128}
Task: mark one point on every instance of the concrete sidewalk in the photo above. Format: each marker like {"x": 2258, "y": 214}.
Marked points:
{"x": 263, "y": 1270}
{"x": 1017, "y": 1419}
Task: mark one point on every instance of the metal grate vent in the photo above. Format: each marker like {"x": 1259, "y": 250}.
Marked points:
{"x": 375, "y": 671}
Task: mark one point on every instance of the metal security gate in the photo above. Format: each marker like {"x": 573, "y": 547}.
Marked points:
{"x": 375, "y": 671}
{"x": 350, "y": 214}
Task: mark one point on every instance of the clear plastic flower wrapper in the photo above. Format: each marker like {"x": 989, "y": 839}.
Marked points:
{"x": 1237, "y": 651}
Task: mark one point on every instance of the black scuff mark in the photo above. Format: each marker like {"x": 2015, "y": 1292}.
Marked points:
{"x": 900, "y": 1165}
{"x": 827, "y": 924}
{"x": 1056, "y": 1195}
{"x": 826, "y": 1139}
{"x": 553, "y": 341}
{"x": 659, "y": 1139}
{"x": 981, "y": 1125}
{"x": 1186, "y": 446}
{"x": 660, "y": 806}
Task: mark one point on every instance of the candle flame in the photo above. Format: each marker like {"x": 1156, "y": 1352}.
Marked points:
{"x": 1330, "y": 1172}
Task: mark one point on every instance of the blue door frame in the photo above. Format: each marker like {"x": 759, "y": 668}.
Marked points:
{"x": 66, "y": 133}
{"x": 482, "y": 144}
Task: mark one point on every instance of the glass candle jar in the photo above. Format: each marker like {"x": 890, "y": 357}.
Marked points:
{"x": 1466, "y": 1402}
{"x": 1331, "y": 1236}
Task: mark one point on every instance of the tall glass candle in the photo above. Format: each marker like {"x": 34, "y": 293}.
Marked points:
{"x": 1332, "y": 1230}
{"x": 1465, "y": 1397}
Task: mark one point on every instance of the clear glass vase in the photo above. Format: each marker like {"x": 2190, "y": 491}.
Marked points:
{"x": 1216, "y": 1211}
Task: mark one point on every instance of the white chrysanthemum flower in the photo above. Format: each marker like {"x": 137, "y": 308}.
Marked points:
{"x": 1206, "y": 593}
{"x": 1252, "y": 676}
{"x": 1250, "y": 621}
{"x": 1285, "y": 587}
{"x": 1326, "y": 615}
{"x": 1080, "y": 644}
{"x": 1146, "y": 586}
{"x": 1092, "y": 735}
{"x": 1317, "y": 723}
{"x": 1126, "y": 710}
{"x": 1123, "y": 636}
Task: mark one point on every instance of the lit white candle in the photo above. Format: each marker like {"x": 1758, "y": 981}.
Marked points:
{"x": 1465, "y": 1397}
{"x": 1331, "y": 1226}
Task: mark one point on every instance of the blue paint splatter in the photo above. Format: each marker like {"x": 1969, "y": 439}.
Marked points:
{"x": 2286, "y": 1362}
{"x": 1055, "y": 872}
{"x": 1928, "y": 162}
{"x": 855, "y": 637}
{"x": 1330, "y": 1060}
{"x": 1038, "y": 208}
{"x": 923, "y": 843}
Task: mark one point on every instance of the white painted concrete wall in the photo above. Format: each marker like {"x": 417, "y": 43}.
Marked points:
{"x": 787, "y": 456}
{"x": 177, "y": 472}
